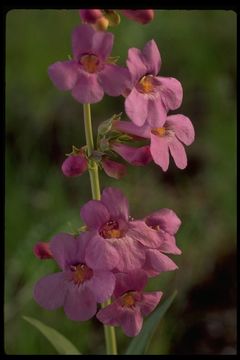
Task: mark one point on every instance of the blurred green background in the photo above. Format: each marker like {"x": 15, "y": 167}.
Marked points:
{"x": 42, "y": 123}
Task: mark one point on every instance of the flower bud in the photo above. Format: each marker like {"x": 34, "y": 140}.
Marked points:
{"x": 90, "y": 15}
{"x": 74, "y": 165}
{"x": 42, "y": 251}
{"x": 141, "y": 16}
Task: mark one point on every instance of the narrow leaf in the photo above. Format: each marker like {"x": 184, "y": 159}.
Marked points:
{"x": 138, "y": 345}
{"x": 59, "y": 342}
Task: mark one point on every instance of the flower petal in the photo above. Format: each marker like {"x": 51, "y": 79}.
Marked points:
{"x": 182, "y": 128}
{"x": 166, "y": 219}
{"x": 171, "y": 92}
{"x": 152, "y": 58}
{"x": 131, "y": 322}
{"x": 63, "y": 74}
{"x": 131, "y": 255}
{"x": 64, "y": 248}
{"x": 50, "y": 291}
{"x": 114, "y": 79}
{"x": 132, "y": 129}
{"x": 94, "y": 214}
{"x": 80, "y": 303}
{"x": 87, "y": 89}
{"x": 169, "y": 246}
{"x": 136, "y": 107}
{"x": 102, "y": 44}
{"x": 178, "y": 153}
{"x": 102, "y": 285}
{"x": 159, "y": 262}
{"x": 100, "y": 254}
{"x": 157, "y": 113}
{"x": 159, "y": 151}
{"x": 110, "y": 315}
{"x": 134, "y": 280}
{"x": 150, "y": 301}
{"x": 140, "y": 232}
{"x": 135, "y": 156}
{"x": 82, "y": 40}
{"x": 136, "y": 65}
{"x": 116, "y": 203}
{"x": 113, "y": 168}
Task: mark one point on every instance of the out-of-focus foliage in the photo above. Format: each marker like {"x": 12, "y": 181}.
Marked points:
{"x": 42, "y": 124}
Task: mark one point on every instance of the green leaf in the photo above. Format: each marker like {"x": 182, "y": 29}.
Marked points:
{"x": 138, "y": 345}
{"x": 59, "y": 342}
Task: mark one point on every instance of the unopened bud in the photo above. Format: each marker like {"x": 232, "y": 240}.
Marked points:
{"x": 141, "y": 16}
{"x": 90, "y": 15}
{"x": 42, "y": 251}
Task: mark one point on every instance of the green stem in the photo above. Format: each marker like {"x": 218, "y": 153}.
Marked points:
{"x": 109, "y": 331}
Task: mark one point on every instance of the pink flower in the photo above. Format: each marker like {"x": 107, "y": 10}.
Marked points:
{"x": 136, "y": 156}
{"x": 141, "y": 16}
{"x": 89, "y": 74}
{"x": 75, "y": 165}
{"x": 42, "y": 251}
{"x": 166, "y": 223}
{"x": 150, "y": 97}
{"x": 113, "y": 168}
{"x": 131, "y": 304}
{"x": 79, "y": 286}
{"x": 108, "y": 222}
{"x": 176, "y": 130}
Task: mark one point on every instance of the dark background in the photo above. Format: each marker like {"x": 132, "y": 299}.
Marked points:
{"x": 199, "y": 49}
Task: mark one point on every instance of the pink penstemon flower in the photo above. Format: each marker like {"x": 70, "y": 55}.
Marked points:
{"x": 149, "y": 97}
{"x": 79, "y": 286}
{"x": 108, "y": 222}
{"x": 130, "y": 303}
{"x": 89, "y": 74}
{"x": 170, "y": 137}
{"x": 166, "y": 224}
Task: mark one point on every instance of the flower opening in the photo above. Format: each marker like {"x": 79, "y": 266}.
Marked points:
{"x": 128, "y": 299}
{"x": 81, "y": 273}
{"x": 111, "y": 230}
{"x": 90, "y": 63}
{"x": 160, "y": 131}
{"x": 145, "y": 85}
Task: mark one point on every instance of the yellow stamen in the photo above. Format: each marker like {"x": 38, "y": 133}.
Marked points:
{"x": 90, "y": 63}
{"x": 128, "y": 300}
{"x": 111, "y": 230}
{"x": 146, "y": 84}
{"x": 81, "y": 273}
{"x": 160, "y": 131}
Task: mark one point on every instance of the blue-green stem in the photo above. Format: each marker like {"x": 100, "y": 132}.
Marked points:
{"x": 109, "y": 331}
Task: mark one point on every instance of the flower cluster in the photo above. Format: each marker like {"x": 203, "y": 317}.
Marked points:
{"x": 115, "y": 256}
{"x": 148, "y": 100}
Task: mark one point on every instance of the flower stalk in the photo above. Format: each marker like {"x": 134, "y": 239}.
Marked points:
{"x": 109, "y": 331}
